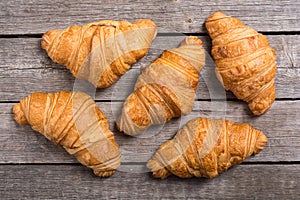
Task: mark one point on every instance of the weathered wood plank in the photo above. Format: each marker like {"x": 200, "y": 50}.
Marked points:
{"x": 23, "y": 145}
{"x": 65, "y": 182}
{"x": 22, "y": 17}
{"x": 25, "y": 68}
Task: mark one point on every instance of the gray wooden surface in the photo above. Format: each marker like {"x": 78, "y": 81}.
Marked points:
{"x": 76, "y": 182}
{"x": 23, "y": 17}
{"x": 32, "y": 167}
{"x": 40, "y": 74}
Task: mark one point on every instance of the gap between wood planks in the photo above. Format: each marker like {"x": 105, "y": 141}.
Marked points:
{"x": 217, "y": 100}
{"x": 39, "y": 35}
{"x": 163, "y": 34}
{"x": 144, "y": 163}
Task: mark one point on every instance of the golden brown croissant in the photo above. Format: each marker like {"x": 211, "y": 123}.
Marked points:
{"x": 246, "y": 64}
{"x": 100, "y": 52}
{"x": 72, "y": 120}
{"x": 165, "y": 89}
{"x": 205, "y": 148}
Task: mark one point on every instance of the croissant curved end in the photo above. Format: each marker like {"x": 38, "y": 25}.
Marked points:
{"x": 216, "y": 15}
{"x": 19, "y": 115}
{"x": 104, "y": 173}
{"x": 261, "y": 141}
{"x": 133, "y": 129}
{"x": 264, "y": 100}
{"x": 48, "y": 38}
{"x": 145, "y": 23}
{"x": 190, "y": 40}
{"x": 259, "y": 109}
{"x": 157, "y": 170}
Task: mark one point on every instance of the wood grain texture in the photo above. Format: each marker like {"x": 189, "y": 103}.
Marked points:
{"x": 32, "y": 167}
{"x": 23, "y": 145}
{"x": 76, "y": 182}
{"x": 31, "y": 17}
{"x": 25, "y": 68}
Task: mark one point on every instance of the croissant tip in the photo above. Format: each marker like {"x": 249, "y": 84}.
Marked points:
{"x": 262, "y": 106}
{"x": 193, "y": 39}
{"x": 261, "y": 141}
{"x": 47, "y": 38}
{"x": 259, "y": 112}
{"x": 105, "y": 174}
{"x": 145, "y": 23}
{"x": 157, "y": 170}
{"x": 19, "y": 115}
{"x": 216, "y": 15}
{"x": 160, "y": 174}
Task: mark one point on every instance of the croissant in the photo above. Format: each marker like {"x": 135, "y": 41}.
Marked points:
{"x": 100, "y": 52}
{"x": 72, "y": 120}
{"x": 165, "y": 89}
{"x": 246, "y": 64}
{"x": 205, "y": 148}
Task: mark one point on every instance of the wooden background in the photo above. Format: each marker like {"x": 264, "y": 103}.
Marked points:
{"x": 32, "y": 167}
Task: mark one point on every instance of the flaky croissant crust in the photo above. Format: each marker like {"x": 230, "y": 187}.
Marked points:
{"x": 246, "y": 64}
{"x": 205, "y": 148}
{"x": 102, "y": 51}
{"x": 73, "y": 121}
{"x": 166, "y": 89}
